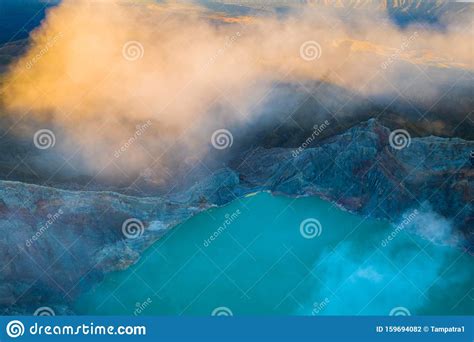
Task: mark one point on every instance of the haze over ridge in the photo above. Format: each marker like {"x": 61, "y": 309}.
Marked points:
{"x": 75, "y": 74}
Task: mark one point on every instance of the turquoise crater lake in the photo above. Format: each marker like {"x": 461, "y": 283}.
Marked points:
{"x": 259, "y": 263}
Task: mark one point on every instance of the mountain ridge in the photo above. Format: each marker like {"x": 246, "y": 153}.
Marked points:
{"x": 369, "y": 178}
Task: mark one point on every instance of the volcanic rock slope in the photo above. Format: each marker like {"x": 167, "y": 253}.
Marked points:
{"x": 56, "y": 243}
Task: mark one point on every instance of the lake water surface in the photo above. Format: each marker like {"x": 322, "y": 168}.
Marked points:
{"x": 260, "y": 263}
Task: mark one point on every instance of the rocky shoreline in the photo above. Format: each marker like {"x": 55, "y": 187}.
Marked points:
{"x": 57, "y": 243}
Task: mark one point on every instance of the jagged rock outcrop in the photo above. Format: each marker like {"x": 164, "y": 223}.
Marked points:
{"x": 402, "y": 5}
{"x": 57, "y": 243}
{"x": 360, "y": 171}
{"x": 411, "y": 6}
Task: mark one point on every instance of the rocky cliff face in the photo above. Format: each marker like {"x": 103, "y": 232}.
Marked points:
{"x": 360, "y": 171}
{"x": 413, "y": 6}
{"x": 57, "y": 243}
{"x": 402, "y": 5}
